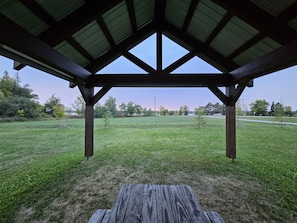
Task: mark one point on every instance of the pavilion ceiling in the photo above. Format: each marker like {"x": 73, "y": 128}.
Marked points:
{"x": 74, "y": 39}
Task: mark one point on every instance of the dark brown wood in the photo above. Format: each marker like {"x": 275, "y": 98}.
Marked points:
{"x": 217, "y": 92}
{"x": 181, "y": 61}
{"x": 260, "y": 19}
{"x": 105, "y": 31}
{"x": 89, "y": 130}
{"x": 278, "y": 59}
{"x": 190, "y": 14}
{"x": 159, "y": 80}
{"x": 222, "y": 63}
{"x": 131, "y": 11}
{"x": 159, "y": 51}
{"x": 116, "y": 51}
{"x": 24, "y": 44}
{"x": 230, "y": 125}
{"x": 76, "y": 20}
{"x": 100, "y": 93}
{"x": 138, "y": 62}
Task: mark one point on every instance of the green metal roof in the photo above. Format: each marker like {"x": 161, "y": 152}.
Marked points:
{"x": 90, "y": 34}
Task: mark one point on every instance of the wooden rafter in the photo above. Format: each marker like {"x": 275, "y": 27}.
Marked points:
{"x": 278, "y": 59}
{"x": 76, "y": 20}
{"x": 187, "y": 40}
{"x": 260, "y": 20}
{"x": 25, "y": 45}
{"x": 116, "y": 51}
{"x": 132, "y": 17}
{"x": 190, "y": 14}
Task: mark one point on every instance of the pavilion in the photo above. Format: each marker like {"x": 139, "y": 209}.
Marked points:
{"x": 74, "y": 39}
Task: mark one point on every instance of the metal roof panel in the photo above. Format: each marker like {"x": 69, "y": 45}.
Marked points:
{"x": 205, "y": 19}
{"x": 258, "y": 50}
{"x": 60, "y": 9}
{"x": 92, "y": 39}
{"x": 118, "y": 23}
{"x": 177, "y": 17}
{"x": 144, "y": 12}
{"x": 233, "y": 35}
{"x": 17, "y": 12}
{"x": 70, "y": 52}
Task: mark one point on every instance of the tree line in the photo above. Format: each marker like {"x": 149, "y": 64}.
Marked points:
{"x": 20, "y": 103}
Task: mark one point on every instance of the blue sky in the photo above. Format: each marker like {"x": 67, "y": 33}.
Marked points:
{"x": 278, "y": 86}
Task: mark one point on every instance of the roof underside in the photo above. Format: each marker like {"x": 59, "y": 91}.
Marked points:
{"x": 73, "y": 39}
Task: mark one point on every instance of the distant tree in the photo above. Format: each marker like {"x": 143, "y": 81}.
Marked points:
{"x": 99, "y": 110}
{"x": 180, "y": 111}
{"x": 17, "y": 101}
{"x": 259, "y": 107}
{"x": 185, "y": 110}
{"x": 79, "y": 105}
{"x": 288, "y": 111}
{"x": 111, "y": 106}
{"x": 50, "y": 103}
{"x": 123, "y": 109}
{"x": 138, "y": 109}
{"x": 7, "y": 85}
{"x": 130, "y": 108}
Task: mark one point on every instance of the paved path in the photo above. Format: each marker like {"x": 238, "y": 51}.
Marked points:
{"x": 255, "y": 120}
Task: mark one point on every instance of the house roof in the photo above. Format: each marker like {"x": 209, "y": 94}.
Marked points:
{"x": 74, "y": 39}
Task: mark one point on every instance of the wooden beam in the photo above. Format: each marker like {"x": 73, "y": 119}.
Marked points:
{"x": 190, "y": 14}
{"x": 217, "y": 92}
{"x": 116, "y": 51}
{"x": 131, "y": 11}
{"x": 101, "y": 93}
{"x": 186, "y": 40}
{"x": 278, "y": 59}
{"x": 160, "y": 80}
{"x": 144, "y": 66}
{"x": 76, "y": 20}
{"x": 24, "y": 45}
{"x": 260, "y": 20}
{"x": 159, "y": 51}
{"x": 181, "y": 61}
{"x": 218, "y": 28}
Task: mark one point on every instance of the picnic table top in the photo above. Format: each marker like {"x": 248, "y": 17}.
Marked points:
{"x": 155, "y": 203}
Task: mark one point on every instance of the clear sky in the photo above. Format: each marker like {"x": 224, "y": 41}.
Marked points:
{"x": 278, "y": 86}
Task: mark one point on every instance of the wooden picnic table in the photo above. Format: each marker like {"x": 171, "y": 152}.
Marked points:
{"x": 155, "y": 203}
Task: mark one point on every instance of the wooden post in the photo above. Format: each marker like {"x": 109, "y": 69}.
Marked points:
{"x": 89, "y": 122}
{"x": 230, "y": 124}
{"x": 89, "y": 131}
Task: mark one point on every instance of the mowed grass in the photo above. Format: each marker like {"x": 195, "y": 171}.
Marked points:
{"x": 45, "y": 178}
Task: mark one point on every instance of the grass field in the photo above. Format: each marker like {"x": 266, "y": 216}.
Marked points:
{"x": 45, "y": 178}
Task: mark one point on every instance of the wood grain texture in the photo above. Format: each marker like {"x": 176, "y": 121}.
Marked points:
{"x": 99, "y": 216}
{"x": 155, "y": 203}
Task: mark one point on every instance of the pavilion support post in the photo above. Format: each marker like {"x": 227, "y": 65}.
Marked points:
{"x": 230, "y": 123}
{"x": 89, "y": 131}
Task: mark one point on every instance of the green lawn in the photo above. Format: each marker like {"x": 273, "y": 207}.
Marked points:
{"x": 45, "y": 178}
